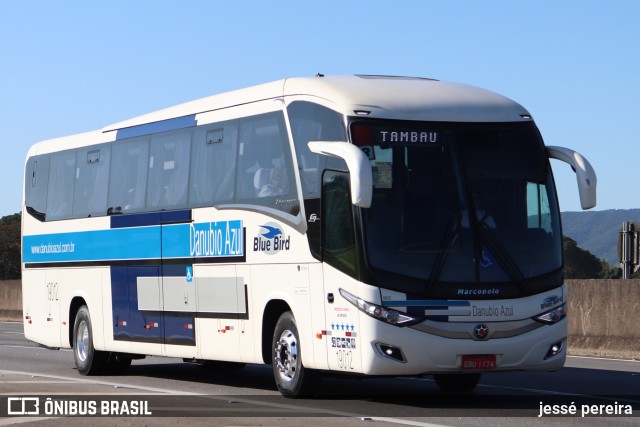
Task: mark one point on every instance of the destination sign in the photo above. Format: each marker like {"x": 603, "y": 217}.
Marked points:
{"x": 405, "y": 136}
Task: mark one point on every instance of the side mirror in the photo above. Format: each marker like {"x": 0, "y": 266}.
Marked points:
{"x": 358, "y": 165}
{"x": 586, "y": 176}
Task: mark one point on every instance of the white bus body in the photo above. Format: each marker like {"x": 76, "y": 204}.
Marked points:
{"x": 359, "y": 224}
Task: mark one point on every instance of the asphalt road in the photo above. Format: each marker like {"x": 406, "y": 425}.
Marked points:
{"x": 179, "y": 393}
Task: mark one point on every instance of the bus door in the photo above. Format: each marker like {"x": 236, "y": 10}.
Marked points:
{"x": 144, "y": 317}
{"x": 135, "y": 284}
{"x": 149, "y": 302}
{"x": 340, "y": 266}
{"x": 177, "y": 286}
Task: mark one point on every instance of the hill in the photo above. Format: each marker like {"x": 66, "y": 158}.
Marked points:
{"x": 597, "y": 231}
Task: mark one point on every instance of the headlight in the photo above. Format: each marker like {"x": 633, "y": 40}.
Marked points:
{"x": 392, "y": 317}
{"x": 553, "y": 316}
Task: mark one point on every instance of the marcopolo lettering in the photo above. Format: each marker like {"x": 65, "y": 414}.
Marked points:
{"x": 462, "y": 291}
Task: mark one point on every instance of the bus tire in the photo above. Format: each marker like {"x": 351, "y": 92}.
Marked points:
{"x": 89, "y": 361}
{"x": 292, "y": 378}
{"x": 457, "y": 383}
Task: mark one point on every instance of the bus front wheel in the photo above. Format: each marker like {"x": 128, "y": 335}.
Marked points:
{"x": 89, "y": 361}
{"x": 292, "y": 378}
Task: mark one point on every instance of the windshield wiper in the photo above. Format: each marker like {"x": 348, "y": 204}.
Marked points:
{"x": 449, "y": 238}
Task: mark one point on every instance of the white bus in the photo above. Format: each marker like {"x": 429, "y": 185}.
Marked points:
{"x": 361, "y": 224}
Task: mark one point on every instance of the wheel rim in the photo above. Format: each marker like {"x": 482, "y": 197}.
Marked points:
{"x": 82, "y": 341}
{"x": 286, "y": 355}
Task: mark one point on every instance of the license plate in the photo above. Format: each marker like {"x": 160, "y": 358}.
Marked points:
{"x": 480, "y": 361}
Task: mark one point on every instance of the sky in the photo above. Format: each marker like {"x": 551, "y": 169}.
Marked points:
{"x": 68, "y": 67}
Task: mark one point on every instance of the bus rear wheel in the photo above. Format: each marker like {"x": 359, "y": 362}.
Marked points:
{"x": 292, "y": 378}
{"x": 457, "y": 383}
{"x": 89, "y": 361}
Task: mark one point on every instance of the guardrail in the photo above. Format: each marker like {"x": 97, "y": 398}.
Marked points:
{"x": 10, "y": 300}
{"x": 604, "y": 316}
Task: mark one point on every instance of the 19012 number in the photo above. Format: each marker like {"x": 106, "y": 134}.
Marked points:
{"x": 52, "y": 291}
{"x": 345, "y": 359}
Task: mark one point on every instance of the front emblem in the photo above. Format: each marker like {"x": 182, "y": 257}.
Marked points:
{"x": 481, "y": 331}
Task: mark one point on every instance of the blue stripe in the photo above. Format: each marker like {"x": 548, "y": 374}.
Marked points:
{"x": 426, "y": 303}
{"x": 156, "y": 127}
{"x": 201, "y": 240}
{"x": 99, "y": 245}
{"x": 147, "y": 219}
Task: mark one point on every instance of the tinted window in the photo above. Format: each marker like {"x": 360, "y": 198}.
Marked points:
{"x": 338, "y": 236}
{"x": 35, "y": 186}
{"x": 168, "y": 177}
{"x": 239, "y": 162}
{"x": 92, "y": 181}
{"x": 60, "y": 188}
{"x": 213, "y": 164}
{"x": 265, "y": 169}
{"x": 128, "y": 179}
{"x": 312, "y": 122}
{"x": 461, "y": 204}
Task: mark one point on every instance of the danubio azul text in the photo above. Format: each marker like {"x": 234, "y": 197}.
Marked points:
{"x": 216, "y": 239}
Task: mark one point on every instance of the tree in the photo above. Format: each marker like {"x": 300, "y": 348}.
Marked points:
{"x": 582, "y": 264}
{"x": 10, "y": 244}
{"x": 578, "y": 263}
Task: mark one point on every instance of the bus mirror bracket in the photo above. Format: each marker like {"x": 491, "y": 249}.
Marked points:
{"x": 586, "y": 176}
{"x": 358, "y": 165}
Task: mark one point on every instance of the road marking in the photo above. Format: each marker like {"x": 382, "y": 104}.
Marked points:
{"x": 604, "y": 358}
{"x": 33, "y": 346}
{"x": 106, "y": 383}
{"x": 38, "y": 382}
{"x": 205, "y": 396}
{"x": 406, "y": 422}
{"x": 20, "y": 346}
{"x": 12, "y": 421}
{"x": 17, "y": 333}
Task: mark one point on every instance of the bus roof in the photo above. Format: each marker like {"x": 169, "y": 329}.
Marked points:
{"x": 390, "y": 97}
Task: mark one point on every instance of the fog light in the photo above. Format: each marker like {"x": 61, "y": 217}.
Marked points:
{"x": 555, "y": 349}
{"x": 391, "y": 352}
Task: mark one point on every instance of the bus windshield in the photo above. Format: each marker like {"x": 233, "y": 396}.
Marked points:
{"x": 466, "y": 209}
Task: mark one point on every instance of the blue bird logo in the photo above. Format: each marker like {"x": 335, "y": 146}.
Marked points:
{"x": 272, "y": 232}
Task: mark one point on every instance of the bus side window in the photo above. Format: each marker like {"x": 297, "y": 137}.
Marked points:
{"x": 128, "y": 179}
{"x": 60, "y": 190}
{"x": 213, "y": 164}
{"x": 312, "y": 122}
{"x": 36, "y": 182}
{"x": 92, "y": 181}
{"x": 265, "y": 167}
{"x": 168, "y": 177}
